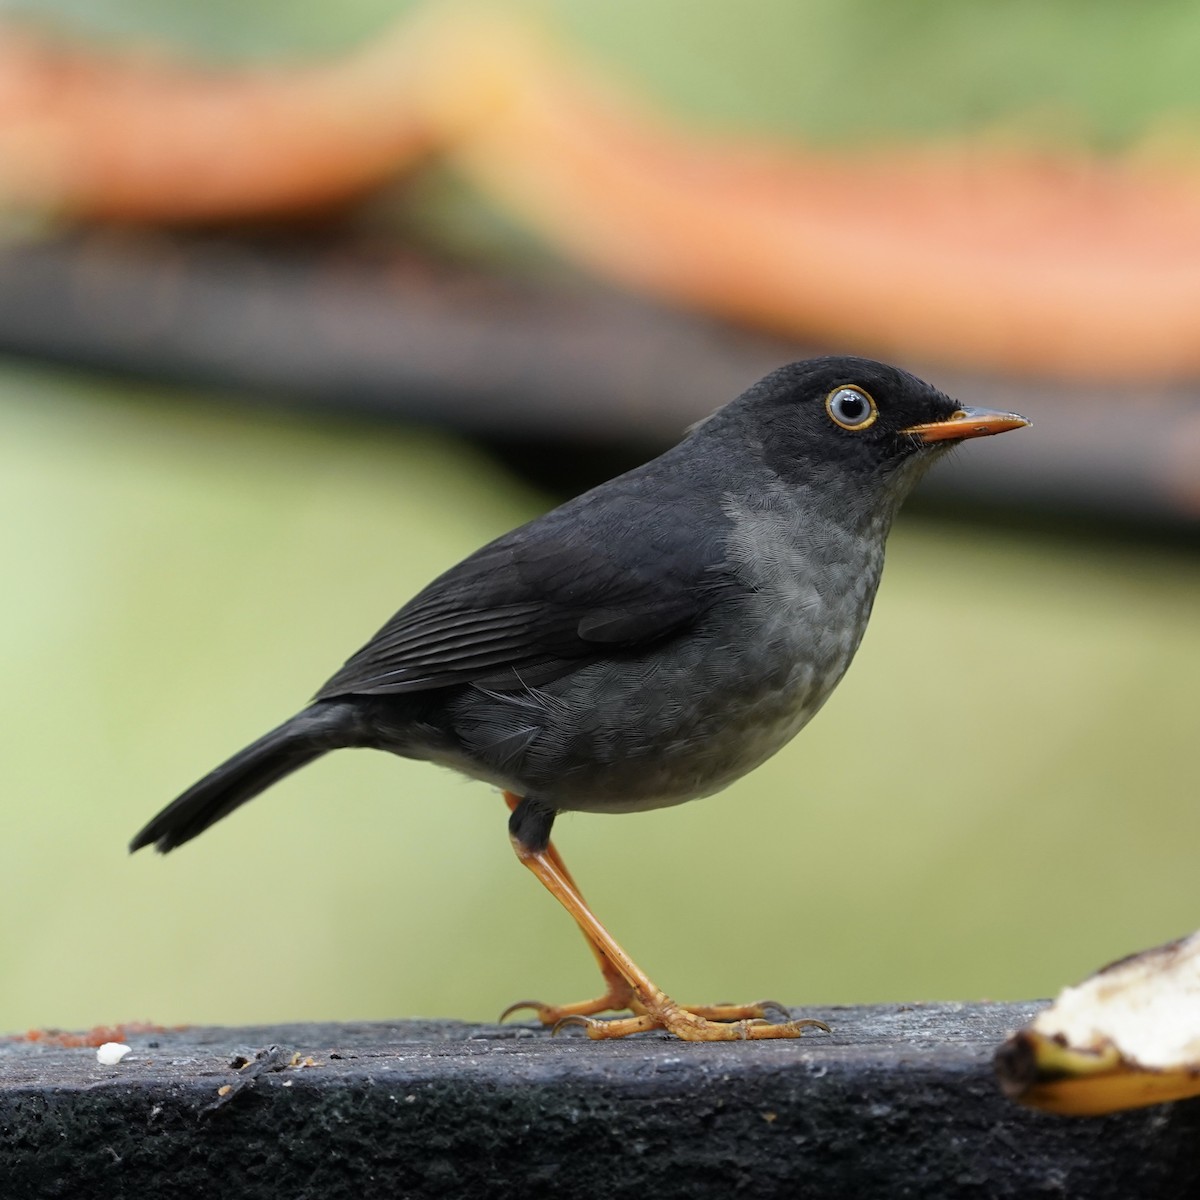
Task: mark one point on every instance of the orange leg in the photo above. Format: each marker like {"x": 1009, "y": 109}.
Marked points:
{"x": 618, "y": 995}
{"x": 654, "y": 1008}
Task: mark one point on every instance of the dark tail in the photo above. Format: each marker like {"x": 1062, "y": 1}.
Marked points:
{"x": 318, "y": 729}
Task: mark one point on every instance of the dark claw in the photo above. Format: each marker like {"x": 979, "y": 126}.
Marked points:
{"x": 773, "y": 1007}
{"x": 573, "y": 1019}
{"x": 809, "y": 1023}
{"x": 534, "y": 1005}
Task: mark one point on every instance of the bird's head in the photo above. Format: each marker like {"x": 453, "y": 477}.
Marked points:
{"x": 854, "y": 425}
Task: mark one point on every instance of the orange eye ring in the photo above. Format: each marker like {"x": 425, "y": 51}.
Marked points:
{"x": 850, "y": 407}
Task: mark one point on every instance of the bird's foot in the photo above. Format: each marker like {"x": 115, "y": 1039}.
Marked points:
{"x": 616, "y": 999}
{"x": 711, "y": 1023}
{"x": 626, "y": 985}
{"x": 623, "y": 999}
{"x": 693, "y": 1023}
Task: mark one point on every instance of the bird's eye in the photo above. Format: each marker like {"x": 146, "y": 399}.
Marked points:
{"x": 851, "y": 408}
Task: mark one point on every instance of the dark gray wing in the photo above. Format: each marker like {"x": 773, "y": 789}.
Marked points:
{"x": 620, "y": 567}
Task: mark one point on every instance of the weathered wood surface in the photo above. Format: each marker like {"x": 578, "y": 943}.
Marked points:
{"x": 897, "y": 1101}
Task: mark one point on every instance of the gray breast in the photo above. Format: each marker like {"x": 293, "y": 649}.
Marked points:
{"x": 813, "y": 578}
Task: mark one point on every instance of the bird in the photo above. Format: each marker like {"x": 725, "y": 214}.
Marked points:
{"x": 644, "y": 644}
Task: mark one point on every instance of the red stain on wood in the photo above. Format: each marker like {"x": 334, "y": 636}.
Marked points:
{"x": 96, "y": 1036}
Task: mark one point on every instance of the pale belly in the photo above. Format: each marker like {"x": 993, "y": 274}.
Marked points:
{"x": 688, "y": 766}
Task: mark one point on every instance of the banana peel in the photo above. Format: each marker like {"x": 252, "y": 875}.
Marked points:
{"x": 1127, "y": 1037}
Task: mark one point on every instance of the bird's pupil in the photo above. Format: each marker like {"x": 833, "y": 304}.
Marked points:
{"x": 853, "y": 406}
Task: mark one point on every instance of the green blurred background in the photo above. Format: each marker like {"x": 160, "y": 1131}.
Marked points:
{"x": 1097, "y": 72}
{"x": 1000, "y": 797}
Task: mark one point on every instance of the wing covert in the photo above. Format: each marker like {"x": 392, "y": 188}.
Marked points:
{"x": 580, "y": 582}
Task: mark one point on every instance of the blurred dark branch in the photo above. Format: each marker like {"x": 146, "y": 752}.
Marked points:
{"x": 321, "y": 327}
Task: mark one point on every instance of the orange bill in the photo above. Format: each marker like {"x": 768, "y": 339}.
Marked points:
{"x": 967, "y": 423}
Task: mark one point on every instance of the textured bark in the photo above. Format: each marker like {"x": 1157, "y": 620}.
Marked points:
{"x": 897, "y": 1101}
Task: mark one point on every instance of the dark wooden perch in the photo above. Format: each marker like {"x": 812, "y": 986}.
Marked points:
{"x": 897, "y": 1101}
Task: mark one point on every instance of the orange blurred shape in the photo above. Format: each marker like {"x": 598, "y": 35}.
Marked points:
{"x": 979, "y": 257}
{"x": 142, "y": 137}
